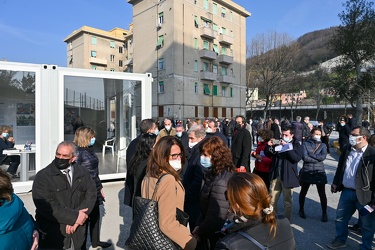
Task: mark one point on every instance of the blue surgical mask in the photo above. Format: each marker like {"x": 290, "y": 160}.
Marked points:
{"x": 205, "y": 161}
{"x": 156, "y": 132}
{"x": 5, "y": 135}
{"x": 287, "y": 139}
{"x": 92, "y": 141}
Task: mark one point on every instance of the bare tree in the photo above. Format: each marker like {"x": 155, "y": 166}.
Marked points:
{"x": 354, "y": 40}
{"x": 270, "y": 64}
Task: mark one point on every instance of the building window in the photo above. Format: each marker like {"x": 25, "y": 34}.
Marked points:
{"x": 120, "y": 49}
{"x": 214, "y": 8}
{"x": 93, "y": 67}
{"x": 196, "y": 22}
{"x": 223, "y": 91}
{"x": 224, "y": 71}
{"x": 231, "y": 92}
{"x": 112, "y": 44}
{"x": 205, "y": 66}
{"x": 70, "y": 45}
{"x": 231, "y": 33}
{"x": 112, "y": 58}
{"x": 216, "y": 48}
{"x": 161, "y": 87}
{"x": 205, "y": 4}
{"x": 161, "y": 63}
{"x": 93, "y": 53}
{"x": 196, "y": 88}
{"x": 195, "y": 65}
{"x": 206, "y": 89}
{"x": 161, "y": 17}
{"x": 214, "y": 69}
{"x": 195, "y": 43}
{"x": 112, "y": 69}
{"x": 71, "y": 59}
{"x": 231, "y": 16}
{"x": 231, "y": 73}
{"x": 195, "y": 1}
{"x": 214, "y": 27}
{"x": 93, "y": 40}
{"x": 223, "y": 30}
{"x": 206, "y": 44}
{"x": 120, "y": 63}
{"x": 160, "y": 43}
{"x": 214, "y": 90}
{"x": 223, "y": 50}
{"x": 223, "y": 12}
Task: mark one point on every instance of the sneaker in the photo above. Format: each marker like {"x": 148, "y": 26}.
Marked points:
{"x": 355, "y": 228}
{"x": 302, "y": 214}
{"x": 103, "y": 244}
{"x": 336, "y": 244}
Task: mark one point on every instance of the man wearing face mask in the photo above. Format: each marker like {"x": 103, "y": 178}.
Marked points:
{"x": 64, "y": 194}
{"x": 12, "y": 160}
{"x": 183, "y": 137}
{"x": 283, "y": 171}
{"x": 228, "y": 131}
{"x": 212, "y": 130}
{"x": 193, "y": 174}
{"x": 344, "y": 132}
{"x": 167, "y": 130}
{"x": 354, "y": 177}
{"x": 241, "y": 145}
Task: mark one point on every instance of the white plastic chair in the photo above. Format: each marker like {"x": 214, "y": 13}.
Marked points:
{"x": 109, "y": 143}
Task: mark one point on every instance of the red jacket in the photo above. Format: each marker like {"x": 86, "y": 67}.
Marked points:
{"x": 264, "y": 165}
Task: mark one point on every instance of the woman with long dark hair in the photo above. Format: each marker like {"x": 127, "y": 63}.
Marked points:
{"x": 254, "y": 217}
{"x": 165, "y": 162}
{"x": 136, "y": 170}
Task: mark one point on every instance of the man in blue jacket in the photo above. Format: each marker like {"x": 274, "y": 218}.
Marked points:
{"x": 283, "y": 171}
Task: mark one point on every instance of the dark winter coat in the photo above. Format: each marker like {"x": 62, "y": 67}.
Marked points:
{"x": 288, "y": 162}
{"x": 58, "y": 204}
{"x": 214, "y": 206}
{"x": 133, "y": 183}
{"x": 4, "y": 144}
{"x": 218, "y": 134}
{"x": 314, "y": 153}
{"x": 298, "y": 130}
{"x": 228, "y": 129}
{"x": 344, "y": 133}
{"x": 241, "y": 148}
{"x": 284, "y": 239}
{"x": 87, "y": 158}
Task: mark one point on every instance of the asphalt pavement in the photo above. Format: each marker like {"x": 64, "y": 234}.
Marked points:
{"x": 310, "y": 233}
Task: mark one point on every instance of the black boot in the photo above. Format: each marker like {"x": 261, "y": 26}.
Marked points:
{"x": 324, "y": 217}
{"x": 302, "y": 214}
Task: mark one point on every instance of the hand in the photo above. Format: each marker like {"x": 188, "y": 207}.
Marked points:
{"x": 71, "y": 229}
{"x": 333, "y": 188}
{"x": 35, "y": 240}
{"x": 258, "y": 157}
{"x": 82, "y": 216}
{"x": 242, "y": 169}
{"x": 195, "y": 233}
{"x": 11, "y": 139}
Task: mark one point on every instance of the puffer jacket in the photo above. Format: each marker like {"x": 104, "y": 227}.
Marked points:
{"x": 16, "y": 225}
{"x": 214, "y": 206}
{"x": 314, "y": 153}
{"x": 87, "y": 158}
{"x": 265, "y": 163}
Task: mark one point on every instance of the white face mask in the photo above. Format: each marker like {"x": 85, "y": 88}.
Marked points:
{"x": 209, "y": 130}
{"x": 179, "y": 134}
{"x": 353, "y": 140}
{"x": 316, "y": 137}
{"x": 192, "y": 144}
{"x": 168, "y": 127}
{"x": 176, "y": 164}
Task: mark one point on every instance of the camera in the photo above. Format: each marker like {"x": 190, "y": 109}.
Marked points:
{"x": 276, "y": 142}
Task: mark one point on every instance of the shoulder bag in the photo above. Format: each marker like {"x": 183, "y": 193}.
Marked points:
{"x": 253, "y": 240}
{"x": 145, "y": 233}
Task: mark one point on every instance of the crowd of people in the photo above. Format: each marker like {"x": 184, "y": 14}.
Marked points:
{"x": 207, "y": 194}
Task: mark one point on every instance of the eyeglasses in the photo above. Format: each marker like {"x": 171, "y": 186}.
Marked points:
{"x": 175, "y": 156}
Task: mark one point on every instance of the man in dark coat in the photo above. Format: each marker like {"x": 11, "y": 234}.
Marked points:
{"x": 241, "y": 145}
{"x": 7, "y": 142}
{"x": 64, "y": 194}
{"x": 298, "y": 129}
{"x": 228, "y": 131}
{"x": 193, "y": 175}
{"x": 212, "y": 130}
{"x": 283, "y": 170}
{"x": 351, "y": 121}
{"x": 355, "y": 178}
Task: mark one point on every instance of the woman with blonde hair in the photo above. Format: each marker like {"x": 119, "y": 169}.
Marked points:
{"x": 84, "y": 138}
{"x": 254, "y": 223}
{"x": 165, "y": 163}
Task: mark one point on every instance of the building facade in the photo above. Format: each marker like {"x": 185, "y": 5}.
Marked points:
{"x": 91, "y": 48}
{"x": 196, "y": 52}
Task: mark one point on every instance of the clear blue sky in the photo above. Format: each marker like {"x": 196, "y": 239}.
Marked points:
{"x": 33, "y": 31}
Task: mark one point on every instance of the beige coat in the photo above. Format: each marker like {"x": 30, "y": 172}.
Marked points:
{"x": 163, "y": 133}
{"x": 170, "y": 194}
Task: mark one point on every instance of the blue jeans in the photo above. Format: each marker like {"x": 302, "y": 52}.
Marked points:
{"x": 229, "y": 138}
{"x": 348, "y": 203}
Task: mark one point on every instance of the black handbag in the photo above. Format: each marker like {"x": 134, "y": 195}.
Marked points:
{"x": 182, "y": 217}
{"x": 145, "y": 233}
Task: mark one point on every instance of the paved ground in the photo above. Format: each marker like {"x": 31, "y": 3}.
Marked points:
{"x": 309, "y": 233}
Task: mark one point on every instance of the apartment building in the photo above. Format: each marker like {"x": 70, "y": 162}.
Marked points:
{"x": 196, "y": 52}
{"x": 91, "y": 48}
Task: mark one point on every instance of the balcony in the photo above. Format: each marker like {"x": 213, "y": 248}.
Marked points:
{"x": 225, "y": 39}
{"x": 207, "y": 54}
{"x": 97, "y": 61}
{"x": 207, "y": 32}
{"x": 225, "y": 59}
{"x": 207, "y": 75}
{"x": 226, "y": 79}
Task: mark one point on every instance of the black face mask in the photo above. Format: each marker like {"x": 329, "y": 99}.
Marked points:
{"x": 238, "y": 126}
{"x": 61, "y": 163}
